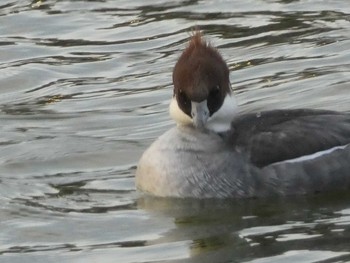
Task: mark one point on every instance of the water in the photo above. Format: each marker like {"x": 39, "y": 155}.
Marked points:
{"x": 84, "y": 89}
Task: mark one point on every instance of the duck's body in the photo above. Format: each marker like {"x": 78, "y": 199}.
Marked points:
{"x": 216, "y": 153}
{"x": 187, "y": 162}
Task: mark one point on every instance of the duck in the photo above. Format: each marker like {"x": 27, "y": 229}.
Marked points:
{"x": 216, "y": 152}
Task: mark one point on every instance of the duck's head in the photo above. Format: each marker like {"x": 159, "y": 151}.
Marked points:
{"x": 202, "y": 92}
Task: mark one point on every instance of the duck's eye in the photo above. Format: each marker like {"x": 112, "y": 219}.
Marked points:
{"x": 215, "y": 91}
{"x": 184, "y": 103}
{"x": 183, "y": 98}
{"x": 214, "y": 100}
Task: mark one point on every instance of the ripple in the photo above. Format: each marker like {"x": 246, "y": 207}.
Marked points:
{"x": 85, "y": 87}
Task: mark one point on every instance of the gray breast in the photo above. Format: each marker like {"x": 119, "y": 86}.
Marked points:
{"x": 185, "y": 162}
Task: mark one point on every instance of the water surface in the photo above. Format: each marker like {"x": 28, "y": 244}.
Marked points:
{"x": 84, "y": 90}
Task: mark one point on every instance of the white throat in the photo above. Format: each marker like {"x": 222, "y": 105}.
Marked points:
{"x": 220, "y": 121}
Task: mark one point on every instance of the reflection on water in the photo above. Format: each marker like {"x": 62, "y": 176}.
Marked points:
{"x": 249, "y": 229}
{"x": 84, "y": 89}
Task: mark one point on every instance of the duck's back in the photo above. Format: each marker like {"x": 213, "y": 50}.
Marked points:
{"x": 280, "y": 135}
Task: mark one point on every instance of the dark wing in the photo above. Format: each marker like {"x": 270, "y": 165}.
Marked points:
{"x": 279, "y": 135}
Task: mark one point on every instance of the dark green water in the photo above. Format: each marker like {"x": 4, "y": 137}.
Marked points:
{"x": 84, "y": 89}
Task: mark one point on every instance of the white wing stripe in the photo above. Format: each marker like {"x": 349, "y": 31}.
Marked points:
{"x": 314, "y": 155}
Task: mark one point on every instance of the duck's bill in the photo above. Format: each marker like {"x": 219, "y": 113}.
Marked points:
{"x": 199, "y": 113}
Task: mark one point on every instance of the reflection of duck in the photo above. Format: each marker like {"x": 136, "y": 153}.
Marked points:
{"x": 213, "y": 152}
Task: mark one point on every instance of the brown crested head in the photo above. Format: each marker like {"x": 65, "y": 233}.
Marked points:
{"x": 200, "y": 74}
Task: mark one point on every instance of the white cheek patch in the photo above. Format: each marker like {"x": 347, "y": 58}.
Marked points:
{"x": 221, "y": 120}
{"x": 177, "y": 114}
{"x": 314, "y": 155}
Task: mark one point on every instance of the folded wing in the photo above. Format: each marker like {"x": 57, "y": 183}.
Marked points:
{"x": 280, "y": 135}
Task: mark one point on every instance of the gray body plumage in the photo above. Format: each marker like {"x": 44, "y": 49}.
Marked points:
{"x": 187, "y": 162}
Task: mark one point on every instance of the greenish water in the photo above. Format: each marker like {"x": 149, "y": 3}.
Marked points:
{"x": 84, "y": 90}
